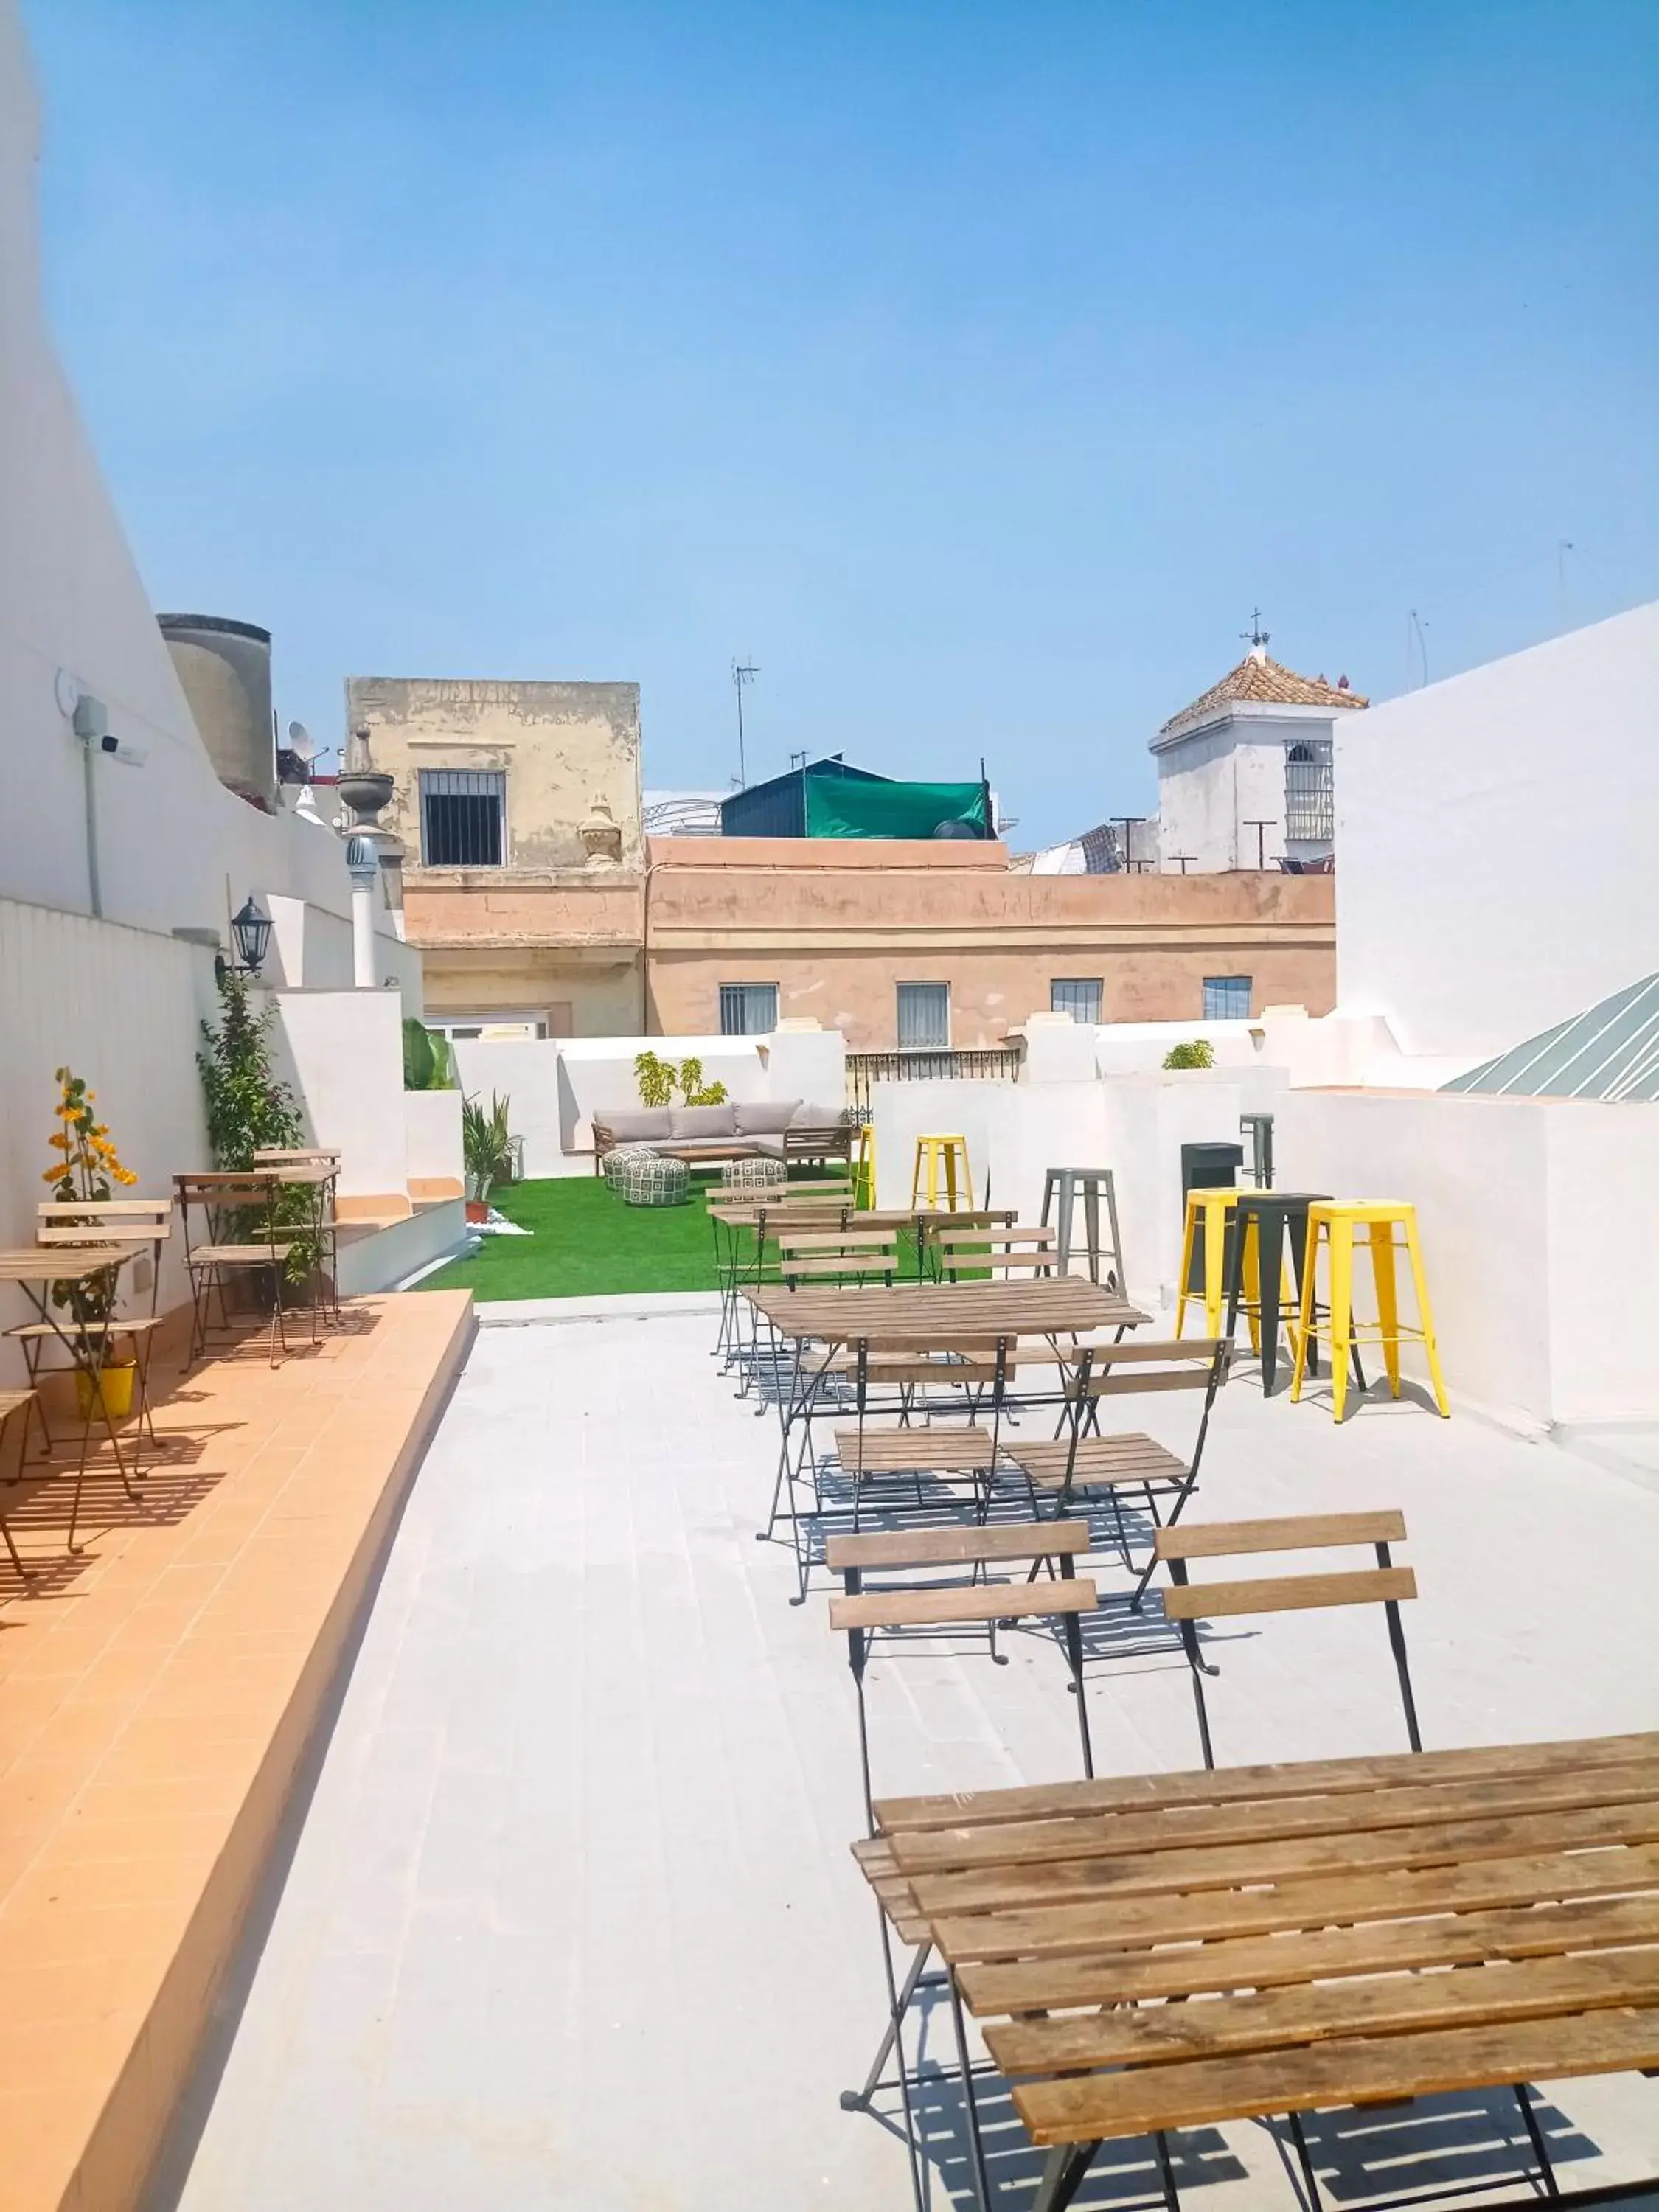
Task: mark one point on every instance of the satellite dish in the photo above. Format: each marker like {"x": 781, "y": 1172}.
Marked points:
{"x": 300, "y": 742}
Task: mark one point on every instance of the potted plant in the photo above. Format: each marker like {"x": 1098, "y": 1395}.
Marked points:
{"x": 86, "y": 1167}
{"x": 486, "y": 1152}
{"x": 248, "y": 1110}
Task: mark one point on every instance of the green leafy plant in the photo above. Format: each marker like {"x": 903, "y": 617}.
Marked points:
{"x": 248, "y": 1110}
{"x": 1199, "y": 1052}
{"x": 658, "y": 1080}
{"x": 486, "y": 1144}
{"x": 427, "y": 1062}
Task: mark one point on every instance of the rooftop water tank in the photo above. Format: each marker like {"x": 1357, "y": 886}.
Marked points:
{"x": 224, "y": 667}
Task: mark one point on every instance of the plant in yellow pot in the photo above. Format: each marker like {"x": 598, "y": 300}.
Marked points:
{"x": 86, "y": 1168}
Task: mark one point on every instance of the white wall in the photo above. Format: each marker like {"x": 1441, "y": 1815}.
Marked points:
{"x": 1496, "y": 835}
{"x": 432, "y": 1124}
{"x": 120, "y": 1008}
{"x": 525, "y": 1072}
{"x": 342, "y": 1051}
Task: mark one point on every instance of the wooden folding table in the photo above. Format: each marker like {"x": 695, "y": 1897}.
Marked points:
{"x": 1179, "y": 1949}
{"x": 35, "y": 1268}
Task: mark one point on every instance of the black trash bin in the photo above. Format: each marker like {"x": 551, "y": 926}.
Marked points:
{"x": 1207, "y": 1167}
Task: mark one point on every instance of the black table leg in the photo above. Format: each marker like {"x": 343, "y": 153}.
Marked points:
{"x": 1269, "y": 1263}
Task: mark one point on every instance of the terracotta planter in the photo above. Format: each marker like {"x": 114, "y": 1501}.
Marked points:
{"x": 478, "y": 1209}
{"x": 114, "y": 1386}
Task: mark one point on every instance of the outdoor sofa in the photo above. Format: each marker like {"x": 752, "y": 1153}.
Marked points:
{"x": 786, "y": 1129}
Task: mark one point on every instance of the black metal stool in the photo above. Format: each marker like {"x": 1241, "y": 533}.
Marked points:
{"x": 1272, "y": 1212}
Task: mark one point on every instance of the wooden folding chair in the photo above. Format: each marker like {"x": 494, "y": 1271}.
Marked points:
{"x": 861, "y": 1614}
{"x": 103, "y": 1221}
{"x": 1384, "y": 1584}
{"x": 238, "y": 1233}
{"x": 325, "y": 1221}
{"x": 1081, "y": 1459}
{"x": 837, "y": 1255}
{"x": 995, "y": 1251}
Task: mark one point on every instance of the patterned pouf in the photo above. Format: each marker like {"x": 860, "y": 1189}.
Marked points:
{"x": 754, "y": 1175}
{"x": 618, "y": 1158}
{"x": 654, "y": 1181}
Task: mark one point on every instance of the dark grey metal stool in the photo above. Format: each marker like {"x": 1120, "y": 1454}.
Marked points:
{"x": 1061, "y": 1187}
{"x": 1273, "y": 1211}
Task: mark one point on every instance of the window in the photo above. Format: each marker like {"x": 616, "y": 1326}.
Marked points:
{"x": 463, "y": 818}
{"x": 748, "y": 1009}
{"x": 1076, "y": 995}
{"x": 1309, "y": 813}
{"x": 924, "y": 1016}
{"x": 1226, "y": 998}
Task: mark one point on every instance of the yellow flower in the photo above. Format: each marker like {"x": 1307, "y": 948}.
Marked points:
{"x": 123, "y": 1175}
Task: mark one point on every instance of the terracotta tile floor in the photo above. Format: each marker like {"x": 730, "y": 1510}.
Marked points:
{"x": 156, "y": 1691}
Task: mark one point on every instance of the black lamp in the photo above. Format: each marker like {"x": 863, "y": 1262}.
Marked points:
{"x": 251, "y": 932}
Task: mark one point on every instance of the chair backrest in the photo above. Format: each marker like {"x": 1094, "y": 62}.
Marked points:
{"x": 1385, "y": 1585}
{"x": 103, "y": 1220}
{"x": 1127, "y": 1368}
{"x": 811, "y": 1255}
{"x": 967, "y": 1545}
{"x": 995, "y": 1250}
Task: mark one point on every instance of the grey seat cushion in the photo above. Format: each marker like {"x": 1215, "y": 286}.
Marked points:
{"x": 768, "y": 1148}
{"x": 765, "y": 1117}
{"x": 635, "y": 1125}
{"x": 818, "y": 1117}
{"x": 704, "y": 1122}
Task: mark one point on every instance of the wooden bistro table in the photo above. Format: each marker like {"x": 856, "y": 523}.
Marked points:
{"x": 986, "y": 1318}
{"x": 1351, "y": 1932}
{"x": 34, "y": 1268}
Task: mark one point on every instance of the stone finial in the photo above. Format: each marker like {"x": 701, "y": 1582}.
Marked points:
{"x": 601, "y": 834}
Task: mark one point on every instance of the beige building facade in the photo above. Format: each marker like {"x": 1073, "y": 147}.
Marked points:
{"x": 518, "y": 808}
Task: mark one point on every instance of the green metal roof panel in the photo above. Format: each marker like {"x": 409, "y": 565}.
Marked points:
{"x": 1611, "y": 1052}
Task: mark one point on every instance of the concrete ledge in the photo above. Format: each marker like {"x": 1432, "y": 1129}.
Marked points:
{"x": 156, "y": 1697}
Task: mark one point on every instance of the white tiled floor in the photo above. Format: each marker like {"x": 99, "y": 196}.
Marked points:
{"x": 572, "y": 1923}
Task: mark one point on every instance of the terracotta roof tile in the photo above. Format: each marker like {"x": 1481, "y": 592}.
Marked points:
{"x": 1264, "y": 682}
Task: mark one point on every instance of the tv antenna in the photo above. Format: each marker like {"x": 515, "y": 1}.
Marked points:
{"x": 300, "y": 742}
{"x": 1260, "y": 824}
{"x": 742, "y": 671}
{"x": 1256, "y": 635}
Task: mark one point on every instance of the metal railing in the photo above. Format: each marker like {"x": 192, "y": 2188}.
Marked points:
{"x": 987, "y": 1064}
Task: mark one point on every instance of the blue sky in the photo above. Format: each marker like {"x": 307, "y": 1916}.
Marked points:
{"x": 975, "y": 369}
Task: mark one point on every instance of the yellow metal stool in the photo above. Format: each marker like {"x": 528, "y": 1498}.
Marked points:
{"x": 864, "y": 1169}
{"x": 1335, "y": 1224}
{"x": 1211, "y": 1211}
{"x": 937, "y": 1156}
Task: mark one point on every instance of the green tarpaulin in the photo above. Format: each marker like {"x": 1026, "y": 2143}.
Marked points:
{"x": 838, "y": 806}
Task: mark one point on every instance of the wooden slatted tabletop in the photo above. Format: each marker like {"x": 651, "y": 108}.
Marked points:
{"x": 929, "y": 1316}
{"x": 62, "y": 1263}
{"x": 1302, "y": 1909}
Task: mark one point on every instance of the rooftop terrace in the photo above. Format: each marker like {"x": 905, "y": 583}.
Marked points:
{"x": 570, "y": 1917}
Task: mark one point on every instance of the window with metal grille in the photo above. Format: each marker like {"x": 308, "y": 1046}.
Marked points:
{"x": 1076, "y": 995}
{"x": 463, "y": 818}
{"x": 748, "y": 1009}
{"x": 924, "y": 1016}
{"x": 1226, "y": 998}
{"x": 1308, "y": 812}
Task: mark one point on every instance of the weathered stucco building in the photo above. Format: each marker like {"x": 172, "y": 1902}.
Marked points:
{"x": 518, "y": 807}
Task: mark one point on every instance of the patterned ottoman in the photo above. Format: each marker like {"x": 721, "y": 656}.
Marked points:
{"x": 618, "y": 1158}
{"x": 654, "y": 1181}
{"x": 754, "y": 1175}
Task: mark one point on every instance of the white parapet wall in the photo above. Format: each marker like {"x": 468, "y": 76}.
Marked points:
{"x": 1538, "y": 1217}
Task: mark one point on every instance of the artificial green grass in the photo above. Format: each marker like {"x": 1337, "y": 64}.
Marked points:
{"x": 585, "y": 1243}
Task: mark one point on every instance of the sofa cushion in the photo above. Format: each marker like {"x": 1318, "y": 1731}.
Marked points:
{"x": 764, "y": 1117}
{"x": 635, "y": 1125}
{"x": 768, "y": 1148}
{"x": 818, "y": 1117}
{"x": 702, "y": 1121}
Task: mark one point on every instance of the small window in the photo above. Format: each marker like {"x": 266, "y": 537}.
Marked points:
{"x": 1310, "y": 808}
{"x": 1076, "y": 995}
{"x": 924, "y": 1016}
{"x": 463, "y": 818}
{"x": 748, "y": 1009}
{"x": 1226, "y": 998}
